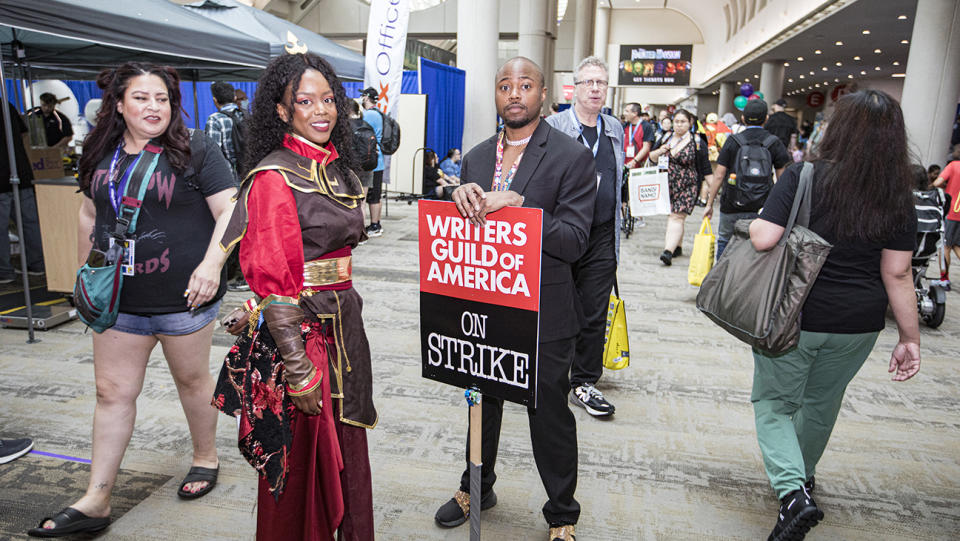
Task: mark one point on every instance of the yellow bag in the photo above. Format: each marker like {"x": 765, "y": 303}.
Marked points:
{"x": 616, "y": 344}
{"x": 701, "y": 260}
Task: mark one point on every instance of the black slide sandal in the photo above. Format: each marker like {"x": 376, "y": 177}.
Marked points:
{"x": 69, "y": 521}
{"x": 198, "y": 474}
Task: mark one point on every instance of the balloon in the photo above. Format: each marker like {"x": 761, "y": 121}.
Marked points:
{"x": 759, "y": 94}
{"x": 740, "y": 102}
{"x": 746, "y": 89}
{"x": 753, "y": 97}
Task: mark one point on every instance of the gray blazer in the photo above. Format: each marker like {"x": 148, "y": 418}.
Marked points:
{"x": 567, "y": 123}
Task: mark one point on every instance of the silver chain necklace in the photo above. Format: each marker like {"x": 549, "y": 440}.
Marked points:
{"x": 518, "y": 142}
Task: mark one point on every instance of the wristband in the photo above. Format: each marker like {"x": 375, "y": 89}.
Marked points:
{"x": 307, "y": 385}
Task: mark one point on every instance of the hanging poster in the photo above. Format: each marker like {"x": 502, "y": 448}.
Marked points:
{"x": 655, "y": 65}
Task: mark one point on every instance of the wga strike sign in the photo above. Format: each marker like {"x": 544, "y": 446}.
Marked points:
{"x": 480, "y": 299}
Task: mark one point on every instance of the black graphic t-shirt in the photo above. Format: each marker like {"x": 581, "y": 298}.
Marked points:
{"x": 173, "y": 230}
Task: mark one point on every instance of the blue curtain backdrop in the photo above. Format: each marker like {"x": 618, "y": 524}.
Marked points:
{"x": 445, "y": 87}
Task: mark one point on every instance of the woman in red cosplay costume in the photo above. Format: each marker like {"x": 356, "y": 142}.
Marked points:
{"x": 299, "y": 375}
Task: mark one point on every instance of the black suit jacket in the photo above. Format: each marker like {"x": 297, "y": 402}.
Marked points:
{"x": 557, "y": 174}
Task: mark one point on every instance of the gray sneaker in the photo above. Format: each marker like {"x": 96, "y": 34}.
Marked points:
{"x": 14, "y": 449}
{"x": 591, "y": 399}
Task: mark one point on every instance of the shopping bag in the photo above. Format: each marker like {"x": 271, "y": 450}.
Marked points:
{"x": 701, "y": 260}
{"x": 649, "y": 195}
{"x": 616, "y": 345}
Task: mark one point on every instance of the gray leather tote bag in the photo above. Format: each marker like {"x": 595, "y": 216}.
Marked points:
{"x": 757, "y": 296}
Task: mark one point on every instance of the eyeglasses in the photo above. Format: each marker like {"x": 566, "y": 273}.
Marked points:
{"x": 589, "y": 83}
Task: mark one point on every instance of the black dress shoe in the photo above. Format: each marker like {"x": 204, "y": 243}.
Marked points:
{"x": 666, "y": 257}
{"x": 798, "y": 513}
{"x": 456, "y": 511}
{"x": 678, "y": 252}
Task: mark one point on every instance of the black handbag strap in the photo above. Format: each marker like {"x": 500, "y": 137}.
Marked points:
{"x": 800, "y": 211}
{"x": 131, "y": 202}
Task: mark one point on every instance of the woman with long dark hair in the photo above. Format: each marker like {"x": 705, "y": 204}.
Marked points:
{"x": 689, "y": 164}
{"x": 172, "y": 288}
{"x": 863, "y": 204}
{"x": 300, "y": 381}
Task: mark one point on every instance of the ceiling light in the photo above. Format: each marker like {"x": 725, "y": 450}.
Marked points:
{"x": 823, "y": 68}
{"x": 799, "y": 59}
{"x": 865, "y": 32}
{"x": 877, "y": 51}
{"x": 876, "y": 68}
{"x": 902, "y": 18}
{"x": 895, "y": 63}
{"x": 756, "y": 76}
{"x": 818, "y": 51}
{"x": 856, "y": 58}
{"x": 839, "y": 43}
{"x": 802, "y": 76}
{"x": 836, "y": 80}
{"x": 904, "y": 42}
{"x": 849, "y": 76}
{"x": 817, "y": 85}
{"x": 786, "y": 64}
{"x": 789, "y": 80}
{"x": 898, "y": 75}
{"x": 862, "y": 72}
{"x": 811, "y": 72}
{"x": 839, "y": 63}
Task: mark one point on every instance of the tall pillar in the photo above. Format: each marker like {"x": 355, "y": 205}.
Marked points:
{"x": 583, "y": 28}
{"x": 532, "y": 31}
{"x": 601, "y": 32}
{"x": 728, "y": 91}
{"x": 550, "y": 63}
{"x": 771, "y": 80}
{"x": 932, "y": 84}
{"x": 477, "y": 35}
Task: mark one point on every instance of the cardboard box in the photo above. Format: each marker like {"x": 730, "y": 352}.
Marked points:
{"x": 46, "y": 162}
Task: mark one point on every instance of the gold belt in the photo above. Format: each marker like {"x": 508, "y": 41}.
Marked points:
{"x": 325, "y": 272}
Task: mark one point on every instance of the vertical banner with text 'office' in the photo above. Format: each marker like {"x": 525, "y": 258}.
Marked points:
{"x": 386, "y": 42}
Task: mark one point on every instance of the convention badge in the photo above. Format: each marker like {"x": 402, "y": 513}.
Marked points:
{"x": 631, "y": 151}
{"x": 664, "y": 162}
{"x": 127, "y": 264}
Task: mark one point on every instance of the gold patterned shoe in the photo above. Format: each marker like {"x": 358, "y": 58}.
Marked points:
{"x": 563, "y": 533}
{"x": 457, "y": 510}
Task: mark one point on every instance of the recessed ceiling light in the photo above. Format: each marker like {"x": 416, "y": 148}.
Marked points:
{"x": 823, "y": 68}
{"x": 899, "y": 75}
{"x": 818, "y": 51}
{"x": 895, "y": 63}
{"x": 802, "y": 76}
{"x": 756, "y": 76}
{"x": 904, "y": 41}
{"x": 877, "y": 51}
{"x": 902, "y": 18}
{"x": 839, "y": 43}
{"x": 865, "y": 32}
{"x": 862, "y": 72}
{"x": 839, "y": 63}
{"x": 786, "y": 64}
{"x": 811, "y": 72}
{"x": 856, "y": 58}
{"x": 817, "y": 85}
{"x": 876, "y": 68}
{"x": 799, "y": 59}
{"x": 850, "y": 76}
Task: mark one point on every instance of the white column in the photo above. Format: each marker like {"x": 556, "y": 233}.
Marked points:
{"x": 601, "y": 32}
{"x": 551, "y": 59}
{"x": 583, "y": 27}
{"x": 728, "y": 91}
{"x": 932, "y": 84}
{"x": 532, "y": 32}
{"x": 771, "y": 80}
{"x": 477, "y": 35}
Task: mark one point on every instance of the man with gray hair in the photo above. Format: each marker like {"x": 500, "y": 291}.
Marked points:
{"x": 595, "y": 272}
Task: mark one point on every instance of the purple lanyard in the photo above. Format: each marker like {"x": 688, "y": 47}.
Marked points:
{"x": 117, "y": 188}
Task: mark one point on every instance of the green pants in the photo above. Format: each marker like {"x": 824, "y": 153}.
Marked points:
{"x": 796, "y": 398}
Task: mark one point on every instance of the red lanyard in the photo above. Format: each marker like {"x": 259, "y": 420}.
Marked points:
{"x": 501, "y": 184}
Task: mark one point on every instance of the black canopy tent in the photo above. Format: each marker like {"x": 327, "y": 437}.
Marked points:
{"x": 78, "y": 37}
{"x": 254, "y": 22}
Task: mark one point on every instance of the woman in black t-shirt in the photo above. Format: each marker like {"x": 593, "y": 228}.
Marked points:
{"x": 434, "y": 179}
{"x": 172, "y": 288}
{"x": 863, "y": 204}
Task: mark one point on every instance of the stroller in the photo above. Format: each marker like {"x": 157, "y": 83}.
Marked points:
{"x": 931, "y": 295}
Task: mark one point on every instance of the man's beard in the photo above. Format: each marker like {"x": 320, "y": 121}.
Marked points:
{"x": 517, "y": 124}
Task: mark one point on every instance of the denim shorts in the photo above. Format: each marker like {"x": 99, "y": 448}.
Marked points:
{"x": 175, "y": 324}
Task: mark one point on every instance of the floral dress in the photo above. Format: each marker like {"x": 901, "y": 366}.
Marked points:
{"x": 682, "y": 179}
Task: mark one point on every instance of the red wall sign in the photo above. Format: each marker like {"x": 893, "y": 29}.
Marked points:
{"x": 815, "y": 99}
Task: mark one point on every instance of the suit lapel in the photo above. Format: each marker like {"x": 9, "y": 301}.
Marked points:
{"x": 532, "y": 156}
{"x": 485, "y": 165}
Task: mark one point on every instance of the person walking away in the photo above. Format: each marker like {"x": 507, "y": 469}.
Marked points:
{"x": 688, "y": 161}
{"x": 372, "y": 116}
{"x": 780, "y": 123}
{"x": 747, "y": 166}
{"x": 533, "y": 165}
{"x": 172, "y": 292}
{"x": 862, "y": 204}
{"x": 596, "y": 271}
{"x": 31, "y": 241}
{"x": 949, "y": 181}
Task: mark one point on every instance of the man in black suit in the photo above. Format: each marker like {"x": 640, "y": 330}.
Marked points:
{"x": 538, "y": 167}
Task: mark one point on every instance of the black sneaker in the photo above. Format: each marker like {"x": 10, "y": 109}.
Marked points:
{"x": 456, "y": 511}
{"x": 678, "y": 252}
{"x": 14, "y": 449}
{"x": 667, "y": 257}
{"x": 798, "y": 513}
{"x": 374, "y": 230}
{"x": 591, "y": 399}
{"x": 810, "y": 485}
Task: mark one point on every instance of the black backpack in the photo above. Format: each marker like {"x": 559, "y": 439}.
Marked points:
{"x": 754, "y": 170}
{"x": 390, "y": 138}
{"x": 237, "y": 134}
{"x": 364, "y": 144}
